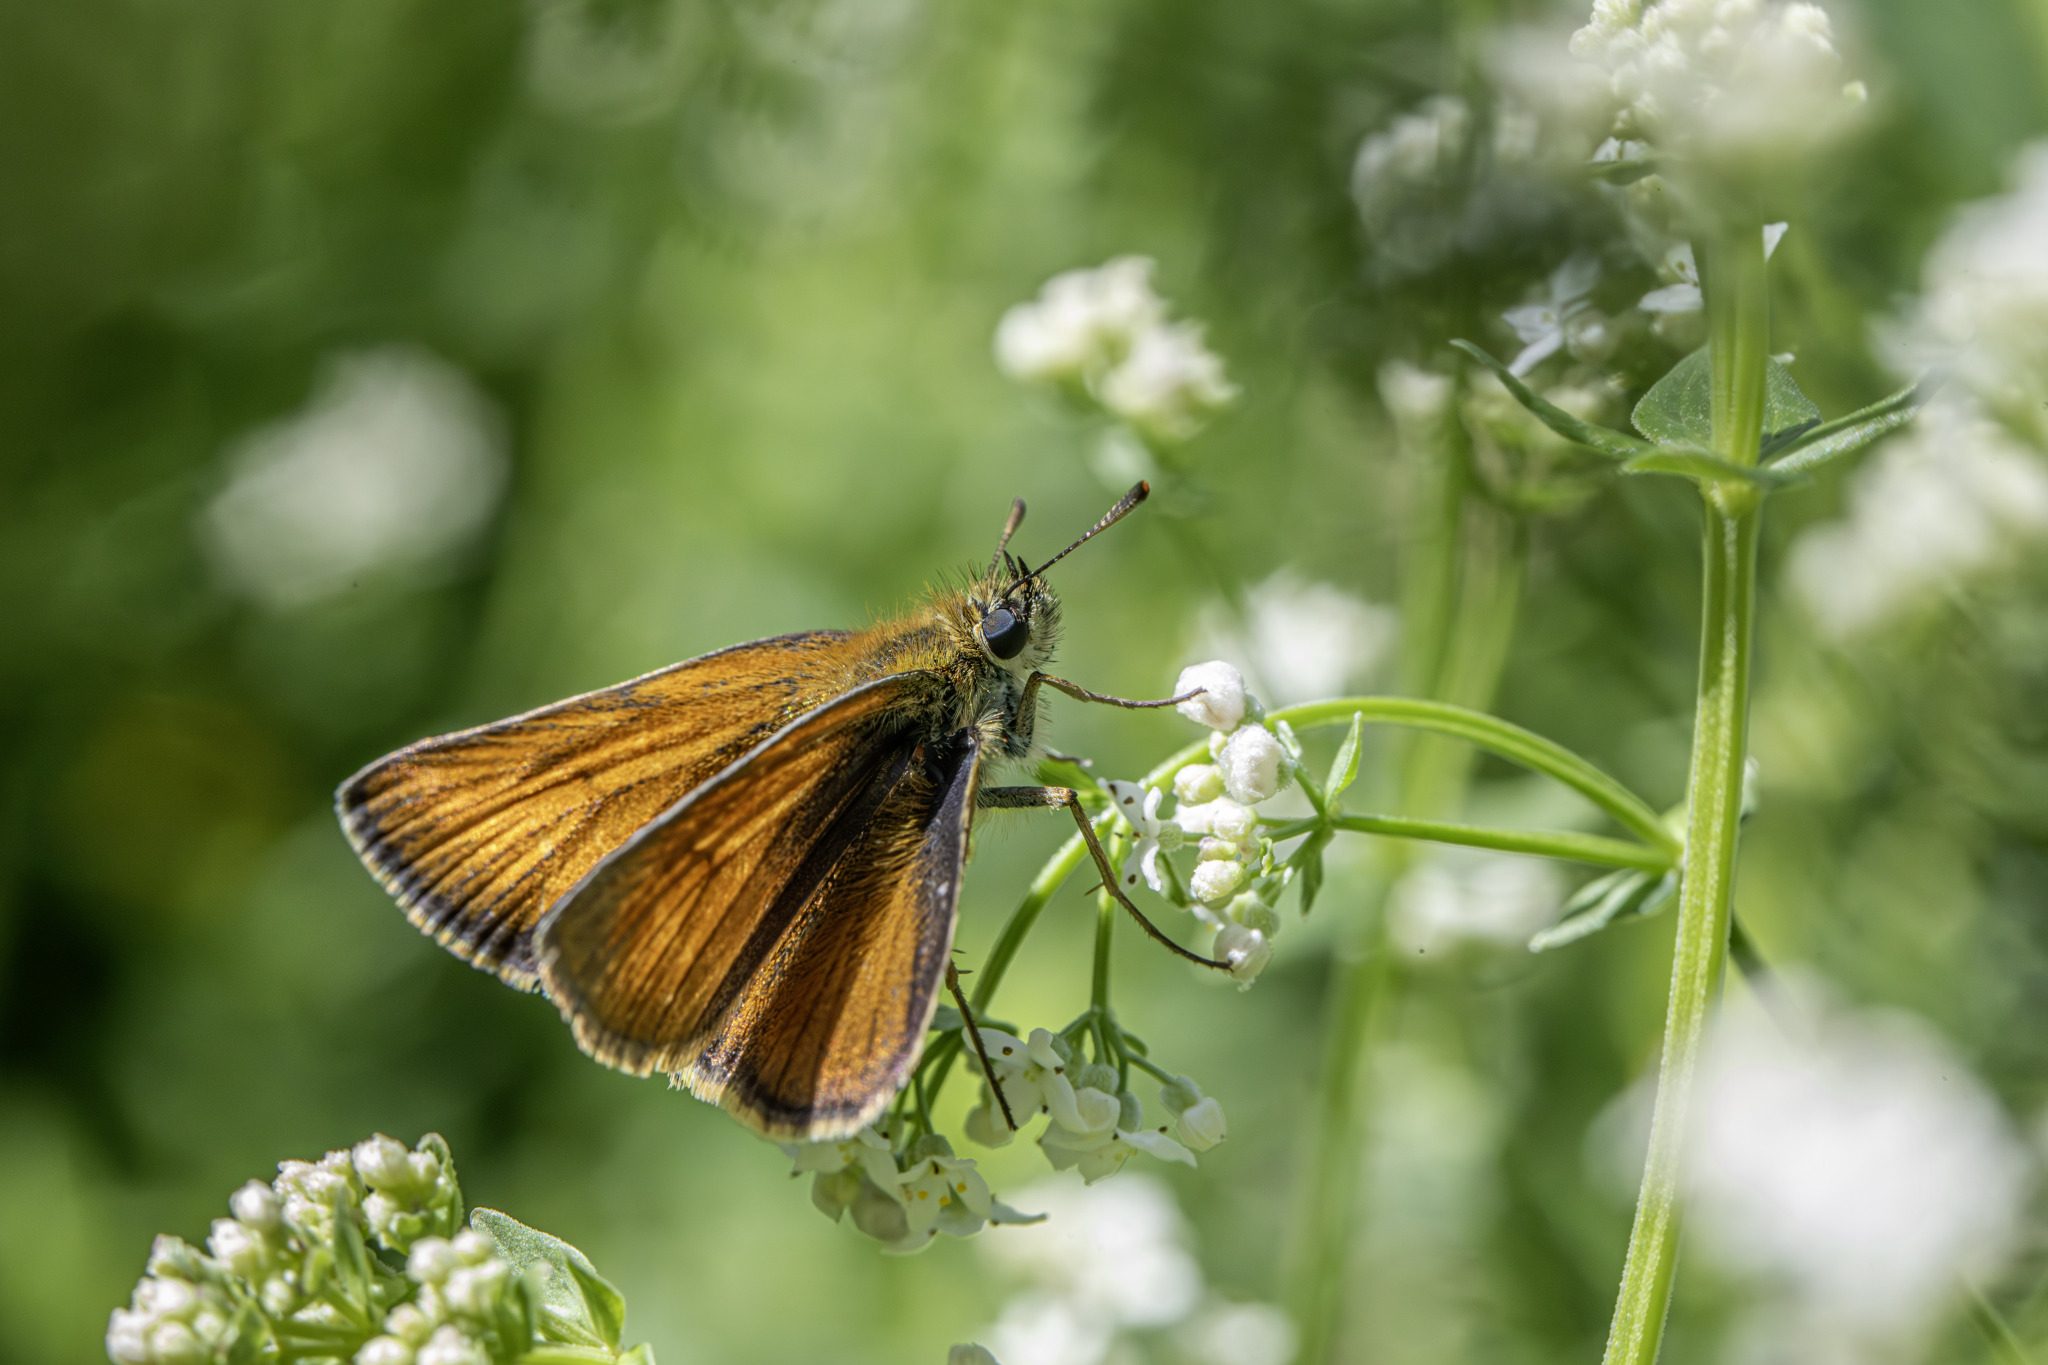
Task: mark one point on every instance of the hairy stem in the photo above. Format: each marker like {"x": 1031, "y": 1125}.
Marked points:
{"x": 1738, "y": 316}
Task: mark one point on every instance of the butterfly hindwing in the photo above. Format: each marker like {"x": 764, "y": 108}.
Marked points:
{"x": 659, "y": 942}
{"x": 478, "y": 833}
{"x": 833, "y": 1019}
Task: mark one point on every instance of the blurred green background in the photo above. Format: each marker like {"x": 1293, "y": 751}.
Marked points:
{"x": 710, "y": 285}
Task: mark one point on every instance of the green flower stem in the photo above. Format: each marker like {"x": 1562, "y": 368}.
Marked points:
{"x": 1098, "y": 991}
{"x": 1497, "y": 736}
{"x": 1739, "y": 321}
{"x": 1584, "y": 848}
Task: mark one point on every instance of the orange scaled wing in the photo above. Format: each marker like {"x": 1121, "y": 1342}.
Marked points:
{"x": 783, "y": 964}
{"x": 478, "y": 833}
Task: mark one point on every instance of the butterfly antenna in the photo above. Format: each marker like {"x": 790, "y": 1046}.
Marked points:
{"x": 1139, "y": 492}
{"x": 1009, "y": 529}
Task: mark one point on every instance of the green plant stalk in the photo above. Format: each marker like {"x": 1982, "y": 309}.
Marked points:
{"x": 1496, "y": 736}
{"x": 1739, "y": 322}
{"x": 1469, "y": 652}
{"x": 1584, "y": 848}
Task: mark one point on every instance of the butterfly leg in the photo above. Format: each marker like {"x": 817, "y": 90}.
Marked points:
{"x": 974, "y": 1032}
{"x": 1080, "y": 693}
{"x": 1054, "y": 798}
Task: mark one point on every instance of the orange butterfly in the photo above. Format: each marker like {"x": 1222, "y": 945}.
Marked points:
{"x": 741, "y": 870}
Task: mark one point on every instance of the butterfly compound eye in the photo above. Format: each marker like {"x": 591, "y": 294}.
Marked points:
{"x": 1004, "y": 634}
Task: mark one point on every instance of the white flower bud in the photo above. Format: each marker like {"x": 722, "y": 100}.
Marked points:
{"x": 1197, "y": 783}
{"x": 472, "y": 1292}
{"x": 1221, "y": 704}
{"x": 1254, "y": 913}
{"x": 1213, "y": 850}
{"x": 433, "y": 1260}
{"x": 381, "y": 1162}
{"x": 474, "y": 1247}
{"x": 173, "y": 1343}
{"x": 450, "y": 1347}
{"x": 279, "y": 1296}
{"x": 239, "y": 1249}
{"x": 1216, "y": 882}
{"x": 128, "y": 1337}
{"x": 971, "y": 1353}
{"x": 167, "y": 1297}
{"x": 256, "y": 1205}
{"x": 384, "y": 1351}
{"x": 1201, "y": 1125}
{"x": 1251, "y": 761}
{"x": 409, "y": 1325}
{"x": 1230, "y": 821}
{"x": 1246, "y": 950}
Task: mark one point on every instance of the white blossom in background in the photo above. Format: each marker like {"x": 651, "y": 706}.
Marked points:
{"x": 1473, "y": 896}
{"x": 1418, "y": 400}
{"x": 1418, "y": 151}
{"x": 1115, "y": 1259}
{"x": 1983, "y": 311}
{"x": 1732, "y": 83}
{"x": 1435, "y": 181}
{"x": 1850, "y": 1159}
{"x": 395, "y": 463}
{"x": 1562, "y": 319}
{"x": 1948, "y": 499}
{"x": 1298, "y": 639}
{"x": 1683, "y": 294}
{"x": 1105, "y": 331}
{"x": 1168, "y": 384}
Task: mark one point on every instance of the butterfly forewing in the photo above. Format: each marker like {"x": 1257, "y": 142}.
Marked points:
{"x": 833, "y": 1019}
{"x": 478, "y": 833}
{"x": 660, "y": 941}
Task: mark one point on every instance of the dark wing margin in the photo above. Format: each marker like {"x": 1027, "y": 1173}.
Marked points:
{"x": 650, "y": 952}
{"x": 477, "y": 833}
{"x": 832, "y": 1021}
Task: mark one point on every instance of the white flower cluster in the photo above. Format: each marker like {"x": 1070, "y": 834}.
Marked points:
{"x": 1234, "y": 880}
{"x": 1983, "y": 314}
{"x": 190, "y": 1305}
{"x": 1094, "y": 1123}
{"x": 907, "y": 1207}
{"x": 462, "y": 1294}
{"x": 1104, "y": 333}
{"x": 1850, "y": 1160}
{"x": 1431, "y": 184}
{"x": 1730, "y": 83}
{"x": 1950, "y": 499}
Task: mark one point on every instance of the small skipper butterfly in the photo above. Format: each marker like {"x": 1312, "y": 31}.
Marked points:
{"x": 741, "y": 870}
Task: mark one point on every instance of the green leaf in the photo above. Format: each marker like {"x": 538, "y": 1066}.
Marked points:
{"x": 946, "y": 1019}
{"x": 1617, "y": 445}
{"x": 1344, "y": 768}
{"x": 1603, "y": 900}
{"x": 1846, "y": 435}
{"x": 643, "y": 1354}
{"x": 1308, "y": 865}
{"x": 607, "y": 1305}
{"x": 351, "y": 1256}
{"x": 1678, "y": 409}
{"x": 1698, "y": 464}
{"x": 438, "y": 1145}
{"x": 579, "y": 1306}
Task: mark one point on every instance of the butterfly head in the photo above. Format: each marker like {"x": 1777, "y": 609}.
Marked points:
{"x": 1015, "y": 614}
